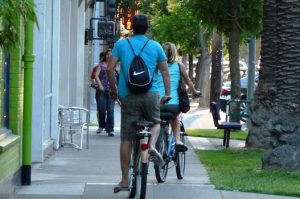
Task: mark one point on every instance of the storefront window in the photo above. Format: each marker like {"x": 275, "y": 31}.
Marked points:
{"x": 6, "y": 89}
{"x": 2, "y": 62}
{"x": 4, "y": 82}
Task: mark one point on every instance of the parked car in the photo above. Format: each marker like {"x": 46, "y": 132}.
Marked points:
{"x": 226, "y": 70}
{"x": 225, "y": 93}
{"x": 226, "y": 87}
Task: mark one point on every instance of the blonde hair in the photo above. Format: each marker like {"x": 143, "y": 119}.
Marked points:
{"x": 171, "y": 51}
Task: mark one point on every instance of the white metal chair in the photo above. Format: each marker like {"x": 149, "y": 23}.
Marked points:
{"x": 72, "y": 120}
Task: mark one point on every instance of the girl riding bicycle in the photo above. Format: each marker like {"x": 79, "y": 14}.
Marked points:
{"x": 175, "y": 69}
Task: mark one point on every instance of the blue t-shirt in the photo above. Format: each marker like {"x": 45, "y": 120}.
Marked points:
{"x": 174, "y": 81}
{"x": 152, "y": 55}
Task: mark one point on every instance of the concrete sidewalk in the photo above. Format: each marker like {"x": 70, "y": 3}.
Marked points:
{"x": 92, "y": 173}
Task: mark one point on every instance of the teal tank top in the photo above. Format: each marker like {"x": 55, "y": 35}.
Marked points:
{"x": 174, "y": 81}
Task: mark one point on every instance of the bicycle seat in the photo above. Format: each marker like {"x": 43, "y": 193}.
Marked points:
{"x": 166, "y": 115}
{"x": 143, "y": 124}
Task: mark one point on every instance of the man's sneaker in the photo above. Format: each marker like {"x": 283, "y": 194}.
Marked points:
{"x": 156, "y": 157}
{"x": 110, "y": 133}
{"x": 99, "y": 130}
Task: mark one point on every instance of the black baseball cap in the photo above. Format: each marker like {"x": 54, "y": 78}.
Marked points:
{"x": 140, "y": 20}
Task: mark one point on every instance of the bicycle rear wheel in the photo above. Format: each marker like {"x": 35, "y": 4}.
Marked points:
{"x": 138, "y": 172}
{"x": 132, "y": 175}
{"x": 141, "y": 181}
{"x": 161, "y": 146}
{"x": 180, "y": 159}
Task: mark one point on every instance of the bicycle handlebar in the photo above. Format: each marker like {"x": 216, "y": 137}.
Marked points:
{"x": 168, "y": 99}
{"x": 197, "y": 95}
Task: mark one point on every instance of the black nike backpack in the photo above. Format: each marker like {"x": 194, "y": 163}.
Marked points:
{"x": 139, "y": 77}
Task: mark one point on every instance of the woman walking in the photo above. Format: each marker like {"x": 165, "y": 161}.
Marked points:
{"x": 105, "y": 105}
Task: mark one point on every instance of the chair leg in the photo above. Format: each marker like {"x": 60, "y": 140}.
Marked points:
{"x": 228, "y": 138}
{"x": 81, "y": 138}
{"x": 71, "y": 136}
{"x": 224, "y": 137}
{"x": 87, "y": 136}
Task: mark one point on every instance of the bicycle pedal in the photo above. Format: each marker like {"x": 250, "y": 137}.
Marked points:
{"x": 151, "y": 159}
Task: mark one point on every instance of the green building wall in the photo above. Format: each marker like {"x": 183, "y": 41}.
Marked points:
{"x": 16, "y": 92}
{"x": 10, "y": 147}
{"x": 10, "y": 161}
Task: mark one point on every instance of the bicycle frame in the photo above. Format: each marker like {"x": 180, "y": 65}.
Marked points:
{"x": 170, "y": 143}
{"x": 166, "y": 146}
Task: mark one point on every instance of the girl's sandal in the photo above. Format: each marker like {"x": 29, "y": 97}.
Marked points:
{"x": 181, "y": 147}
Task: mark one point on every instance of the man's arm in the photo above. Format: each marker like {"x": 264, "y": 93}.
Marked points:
{"x": 163, "y": 67}
{"x": 111, "y": 76}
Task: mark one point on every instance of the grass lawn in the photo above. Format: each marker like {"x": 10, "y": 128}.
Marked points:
{"x": 217, "y": 133}
{"x": 240, "y": 169}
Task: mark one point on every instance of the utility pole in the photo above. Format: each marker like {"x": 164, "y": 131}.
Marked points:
{"x": 251, "y": 68}
{"x": 28, "y": 59}
{"x": 251, "y": 71}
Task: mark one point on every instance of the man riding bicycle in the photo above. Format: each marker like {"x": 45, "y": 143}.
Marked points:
{"x": 143, "y": 105}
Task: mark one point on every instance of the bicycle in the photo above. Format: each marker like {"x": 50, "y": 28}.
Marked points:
{"x": 138, "y": 168}
{"x": 139, "y": 160}
{"x": 166, "y": 147}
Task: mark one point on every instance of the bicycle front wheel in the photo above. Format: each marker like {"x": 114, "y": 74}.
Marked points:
{"x": 180, "y": 159}
{"x": 161, "y": 146}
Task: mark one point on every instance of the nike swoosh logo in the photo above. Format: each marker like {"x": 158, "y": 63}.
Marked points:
{"x": 138, "y": 73}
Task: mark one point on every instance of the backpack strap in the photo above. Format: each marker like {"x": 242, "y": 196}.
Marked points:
{"x": 137, "y": 55}
{"x": 141, "y": 49}
{"x": 179, "y": 71}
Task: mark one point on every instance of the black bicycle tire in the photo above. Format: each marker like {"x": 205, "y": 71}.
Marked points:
{"x": 138, "y": 179}
{"x": 144, "y": 173}
{"x": 180, "y": 160}
{"x": 132, "y": 176}
{"x": 161, "y": 172}
{"x": 141, "y": 173}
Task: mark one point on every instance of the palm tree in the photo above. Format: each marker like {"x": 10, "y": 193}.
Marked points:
{"x": 10, "y": 13}
{"x": 275, "y": 122}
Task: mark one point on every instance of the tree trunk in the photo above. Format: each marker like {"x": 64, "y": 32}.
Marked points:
{"x": 184, "y": 59}
{"x": 234, "y": 38}
{"x": 203, "y": 73}
{"x": 191, "y": 67}
{"x": 216, "y": 68}
{"x": 276, "y": 109}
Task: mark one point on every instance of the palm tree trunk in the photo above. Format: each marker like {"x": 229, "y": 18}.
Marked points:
{"x": 276, "y": 109}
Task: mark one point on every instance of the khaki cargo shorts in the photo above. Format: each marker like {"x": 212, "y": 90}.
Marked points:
{"x": 136, "y": 107}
